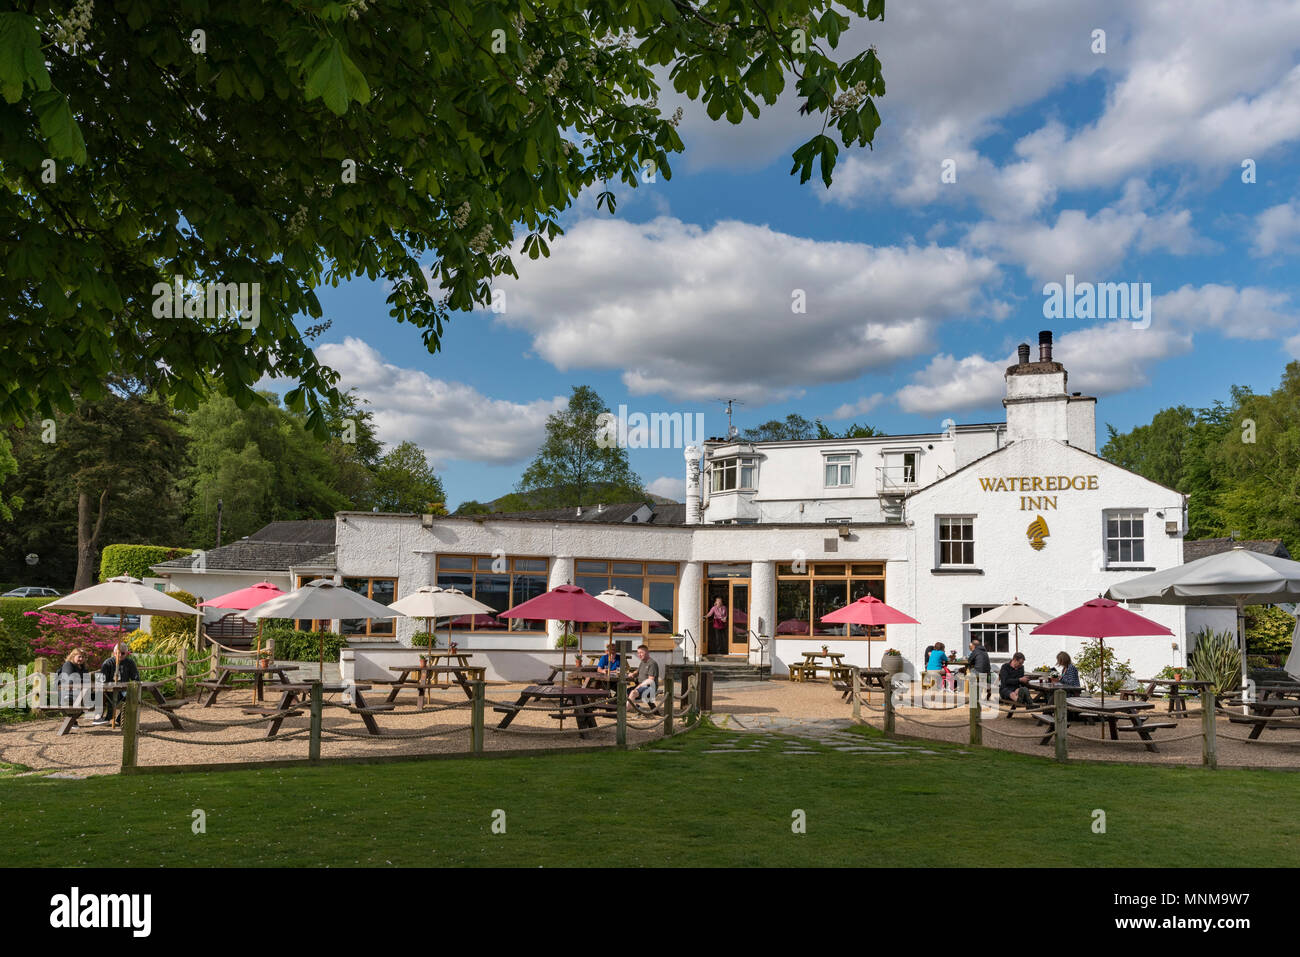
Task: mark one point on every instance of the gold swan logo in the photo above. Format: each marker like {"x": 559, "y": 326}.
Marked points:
{"x": 1037, "y": 531}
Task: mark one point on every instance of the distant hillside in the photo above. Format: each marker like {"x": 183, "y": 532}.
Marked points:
{"x": 518, "y": 502}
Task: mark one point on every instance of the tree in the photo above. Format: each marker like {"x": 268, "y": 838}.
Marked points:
{"x": 286, "y": 145}
{"x": 8, "y": 467}
{"x": 260, "y": 463}
{"x": 353, "y": 447}
{"x": 794, "y": 427}
{"x": 473, "y": 507}
{"x": 404, "y": 482}
{"x": 571, "y": 467}
{"x": 854, "y": 431}
{"x": 107, "y": 472}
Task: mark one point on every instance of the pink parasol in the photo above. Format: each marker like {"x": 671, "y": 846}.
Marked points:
{"x": 868, "y": 610}
{"x": 1101, "y": 618}
{"x": 243, "y": 600}
{"x": 571, "y": 604}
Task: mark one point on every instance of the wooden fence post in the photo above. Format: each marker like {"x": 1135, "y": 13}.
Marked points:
{"x": 669, "y": 693}
{"x": 855, "y": 677}
{"x": 216, "y": 662}
{"x": 476, "y": 719}
{"x": 973, "y": 693}
{"x": 1062, "y": 725}
{"x": 39, "y": 668}
{"x": 889, "y": 707}
{"x": 130, "y": 724}
{"x": 1209, "y": 746}
{"x": 317, "y": 701}
{"x": 693, "y": 698}
{"x": 182, "y": 656}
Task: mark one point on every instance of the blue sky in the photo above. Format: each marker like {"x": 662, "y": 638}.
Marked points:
{"x": 1122, "y": 166}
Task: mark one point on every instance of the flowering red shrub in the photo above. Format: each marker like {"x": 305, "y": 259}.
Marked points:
{"x": 59, "y": 634}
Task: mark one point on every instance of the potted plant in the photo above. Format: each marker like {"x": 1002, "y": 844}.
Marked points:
{"x": 826, "y": 649}
{"x": 892, "y": 661}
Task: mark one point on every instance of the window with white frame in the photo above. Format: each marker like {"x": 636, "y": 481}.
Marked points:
{"x": 995, "y": 638}
{"x": 839, "y": 470}
{"x": 956, "y": 540}
{"x": 1125, "y": 538}
{"x": 730, "y": 475}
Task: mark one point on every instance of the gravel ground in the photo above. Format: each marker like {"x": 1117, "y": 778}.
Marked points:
{"x": 90, "y": 750}
{"x": 98, "y": 750}
{"x": 1277, "y": 748}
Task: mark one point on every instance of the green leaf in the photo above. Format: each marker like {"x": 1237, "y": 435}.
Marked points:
{"x": 332, "y": 76}
{"x": 60, "y": 129}
{"x": 21, "y": 61}
{"x": 875, "y": 9}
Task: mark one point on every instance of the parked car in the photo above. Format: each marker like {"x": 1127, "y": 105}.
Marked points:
{"x": 130, "y": 622}
{"x": 33, "y": 591}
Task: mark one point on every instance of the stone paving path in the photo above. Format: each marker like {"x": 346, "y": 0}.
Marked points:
{"x": 795, "y": 736}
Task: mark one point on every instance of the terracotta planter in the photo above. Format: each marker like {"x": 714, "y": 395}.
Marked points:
{"x": 893, "y": 664}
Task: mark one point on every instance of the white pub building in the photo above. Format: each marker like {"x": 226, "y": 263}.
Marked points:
{"x": 940, "y": 525}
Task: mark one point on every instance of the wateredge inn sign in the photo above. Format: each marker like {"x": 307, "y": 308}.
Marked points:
{"x": 1039, "y": 483}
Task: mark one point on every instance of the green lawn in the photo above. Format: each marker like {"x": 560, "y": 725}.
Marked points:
{"x": 651, "y": 809}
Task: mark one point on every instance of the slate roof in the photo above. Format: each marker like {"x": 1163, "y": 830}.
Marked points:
{"x": 275, "y": 548}
{"x": 1203, "y": 547}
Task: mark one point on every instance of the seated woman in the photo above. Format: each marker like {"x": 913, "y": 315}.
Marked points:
{"x": 72, "y": 677}
{"x": 1069, "y": 679}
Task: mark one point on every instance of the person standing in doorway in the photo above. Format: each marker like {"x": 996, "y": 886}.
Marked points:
{"x": 717, "y": 616}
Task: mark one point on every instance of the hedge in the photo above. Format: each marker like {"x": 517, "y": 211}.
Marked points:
{"x": 134, "y": 560}
{"x": 293, "y": 645}
{"x": 17, "y": 630}
{"x": 168, "y": 632}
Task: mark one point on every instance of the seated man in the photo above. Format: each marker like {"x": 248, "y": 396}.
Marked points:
{"x": 1011, "y": 681}
{"x": 608, "y": 663}
{"x": 647, "y": 677}
{"x": 119, "y": 666}
{"x": 979, "y": 667}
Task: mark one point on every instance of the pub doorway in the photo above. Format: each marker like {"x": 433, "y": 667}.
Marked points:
{"x": 727, "y": 633}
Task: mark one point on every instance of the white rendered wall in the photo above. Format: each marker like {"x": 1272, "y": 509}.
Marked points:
{"x": 1068, "y": 571}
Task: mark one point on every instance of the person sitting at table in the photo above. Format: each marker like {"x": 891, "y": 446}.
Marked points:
{"x": 1012, "y": 680}
{"x": 72, "y": 676}
{"x": 938, "y": 662}
{"x": 1069, "y": 679}
{"x": 119, "y": 666}
{"x": 977, "y": 663}
{"x": 607, "y": 664}
{"x": 647, "y": 677}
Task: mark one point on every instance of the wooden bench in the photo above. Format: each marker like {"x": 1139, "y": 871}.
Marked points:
{"x": 799, "y": 671}
{"x": 1260, "y": 722}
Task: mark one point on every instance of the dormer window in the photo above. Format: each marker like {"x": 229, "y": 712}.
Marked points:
{"x": 734, "y": 474}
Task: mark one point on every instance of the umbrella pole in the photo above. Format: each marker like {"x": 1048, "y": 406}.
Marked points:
{"x": 428, "y": 630}
{"x": 1241, "y": 643}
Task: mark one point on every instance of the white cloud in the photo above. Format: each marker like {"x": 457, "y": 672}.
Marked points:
{"x": 449, "y": 420}
{"x": 862, "y": 407}
{"x": 700, "y": 313}
{"x": 1249, "y": 313}
{"x": 669, "y": 486}
{"x": 1277, "y": 230}
{"x": 949, "y": 385}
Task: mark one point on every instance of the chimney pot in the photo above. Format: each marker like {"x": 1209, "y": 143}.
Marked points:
{"x": 1045, "y": 346}
{"x": 1022, "y": 353}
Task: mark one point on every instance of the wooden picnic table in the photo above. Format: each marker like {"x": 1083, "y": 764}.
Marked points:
{"x": 1109, "y": 712}
{"x": 1262, "y": 714}
{"x": 1177, "y": 696}
{"x": 569, "y": 669}
{"x": 572, "y": 697}
{"x": 812, "y": 656}
{"x": 870, "y": 676}
{"x": 462, "y": 657}
{"x": 1045, "y": 688}
{"x": 226, "y": 679}
{"x": 78, "y": 708}
{"x": 461, "y": 674}
{"x": 295, "y": 693}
